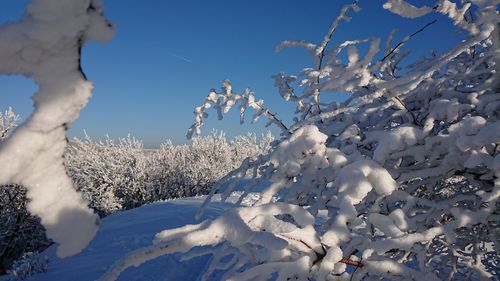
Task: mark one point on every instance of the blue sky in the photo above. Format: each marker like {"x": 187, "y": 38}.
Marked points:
{"x": 167, "y": 55}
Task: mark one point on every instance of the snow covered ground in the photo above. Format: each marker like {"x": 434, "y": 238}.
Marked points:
{"x": 123, "y": 232}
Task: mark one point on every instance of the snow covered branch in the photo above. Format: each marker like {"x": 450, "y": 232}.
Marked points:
{"x": 225, "y": 100}
{"x": 45, "y": 45}
{"x": 8, "y": 121}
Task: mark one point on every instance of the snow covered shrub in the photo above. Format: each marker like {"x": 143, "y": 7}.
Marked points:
{"x": 31, "y": 263}
{"x": 192, "y": 169}
{"x": 204, "y": 161}
{"x": 401, "y": 181}
{"x": 20, "y": 232}
{"x": 106, "y": 172}
{"x": 123, "y": 175}
{"x": 196, "y": 166}
{"x": 245, "y": 146}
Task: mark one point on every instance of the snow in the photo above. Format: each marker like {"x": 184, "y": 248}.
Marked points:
{"x": 395, "y": 140}
{"x": 405, "y": 9}
{"x": 385, "y": 224}
{"x": 304, "y": 152}
{"x": 45, "y": 45}
{"x": 451, "y": 9}
{"x": 124, "y": 232}
{"x": 242, "y": 228}
{"x": 354, "y": 183}
{"x": 305, "y": 147}
{"x": 384, "y": 267}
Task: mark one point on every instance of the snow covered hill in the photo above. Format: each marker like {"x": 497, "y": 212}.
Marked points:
{"x": 123, "y": 232}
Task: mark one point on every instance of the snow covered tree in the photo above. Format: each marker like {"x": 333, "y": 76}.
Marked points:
{"x": 401, "y": 181}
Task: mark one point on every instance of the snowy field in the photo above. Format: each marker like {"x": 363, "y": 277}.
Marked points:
{"x": 126, "y": 231}
{"x": 123, "y": 232}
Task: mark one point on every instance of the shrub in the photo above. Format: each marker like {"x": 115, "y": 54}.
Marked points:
{"x": 123, "y": 175}
{"x": 20, "y": 232}
{"x": 399, "y": 182}
{"x": 31, "y": 263}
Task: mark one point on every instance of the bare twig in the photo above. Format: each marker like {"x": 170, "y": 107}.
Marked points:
{"x": 407, "y": 38}
{"x": 351, "y": 262}
{"x": 275, "y": 118}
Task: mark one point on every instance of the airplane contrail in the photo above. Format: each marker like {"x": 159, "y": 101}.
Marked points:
{"x": 180, "y": 57}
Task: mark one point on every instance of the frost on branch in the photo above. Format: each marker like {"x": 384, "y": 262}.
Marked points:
{"x": 45, "y": 45}
{"x": 222, "y": 102}
{"x": 8, "y": 121}
{"x": 405, "y": 9}
{"x": 401, "y": 179}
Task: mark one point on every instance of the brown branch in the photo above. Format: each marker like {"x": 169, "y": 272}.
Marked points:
{"x": 4, "y": 132}
{"x": 351, "y": 262}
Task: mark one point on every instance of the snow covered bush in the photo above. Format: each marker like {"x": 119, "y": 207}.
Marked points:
{"x": 207, "y": 159}
{"x": 103, "y": 171}
{"x": 30, "y": 264}
{"x": 401, "y": 181}
{"x": 245, "y": 146}
{"x": 20, "y": 232}
{"x": 115, "y": 175}
{"x": 195, "y": 167}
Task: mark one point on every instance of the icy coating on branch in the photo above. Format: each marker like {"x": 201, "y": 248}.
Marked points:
{"x": 405, "y": 9}
{"x": 222, "y": 102}
{"x": 45, "y": 45}
{"x": 8, "y": 121}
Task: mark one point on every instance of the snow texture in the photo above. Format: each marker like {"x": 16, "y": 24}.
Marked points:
{"x": 123, "y": 232}
{"x": 45, "y": 46}
{"x": 405, "y": 9}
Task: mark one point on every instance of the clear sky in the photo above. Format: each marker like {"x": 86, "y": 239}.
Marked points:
{"x": 167, "y": 55}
